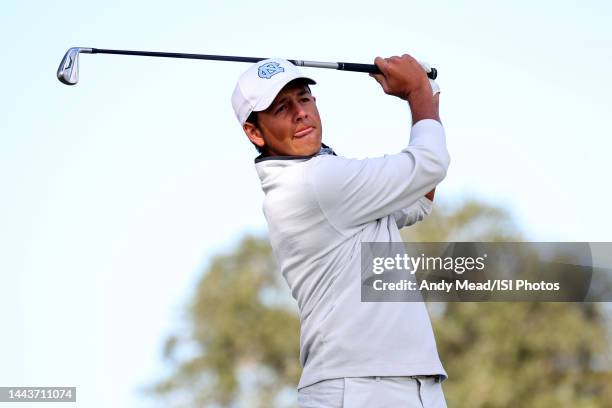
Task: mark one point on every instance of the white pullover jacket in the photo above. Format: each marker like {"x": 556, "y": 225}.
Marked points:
{"x": 319, "y": 210}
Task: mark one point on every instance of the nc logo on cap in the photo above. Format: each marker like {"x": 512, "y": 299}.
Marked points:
{"x": 269, "y": 69}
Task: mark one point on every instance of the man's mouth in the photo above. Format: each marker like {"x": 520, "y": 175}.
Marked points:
{"x": 303, "y": 132}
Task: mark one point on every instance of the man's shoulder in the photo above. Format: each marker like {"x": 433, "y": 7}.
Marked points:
{"x": 325, "y": 165}
{"x": 331, "y": 165}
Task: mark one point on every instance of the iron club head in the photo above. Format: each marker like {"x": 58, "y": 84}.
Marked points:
{"x": 68, "y": 71}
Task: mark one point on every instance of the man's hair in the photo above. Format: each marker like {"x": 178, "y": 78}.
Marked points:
{"x": 253, "y": 120}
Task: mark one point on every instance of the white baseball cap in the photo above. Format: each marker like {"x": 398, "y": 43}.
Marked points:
{"x": 258, "y": 86}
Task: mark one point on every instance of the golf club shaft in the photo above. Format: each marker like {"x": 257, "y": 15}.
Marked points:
{"x": 343, "y": 66}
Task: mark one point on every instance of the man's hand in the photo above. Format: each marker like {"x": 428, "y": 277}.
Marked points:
{"x": 401, "y": 76}
{"x": 405, "y": 78}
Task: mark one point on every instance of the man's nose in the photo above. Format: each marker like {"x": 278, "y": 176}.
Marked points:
{"x": 300, "y": 112}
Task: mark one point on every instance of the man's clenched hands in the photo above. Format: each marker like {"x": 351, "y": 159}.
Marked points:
{"x": 400, "y": 75}
{"x": 405, "y": 78}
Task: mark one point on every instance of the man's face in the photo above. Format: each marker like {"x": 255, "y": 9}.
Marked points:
{"x": 291, "y": 126}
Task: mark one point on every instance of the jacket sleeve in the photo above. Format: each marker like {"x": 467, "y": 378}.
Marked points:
{"x": 411, "y": 215}
{"x": 354, "y": 192}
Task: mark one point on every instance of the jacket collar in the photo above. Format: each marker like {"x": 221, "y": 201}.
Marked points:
{"x": 324, "y": 150}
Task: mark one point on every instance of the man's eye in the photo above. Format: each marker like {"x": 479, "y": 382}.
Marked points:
{"x": 280, "y": 109}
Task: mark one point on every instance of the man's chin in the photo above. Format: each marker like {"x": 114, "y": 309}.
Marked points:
{"x": 307, "y": 146}
{"x": 310, "y": 150}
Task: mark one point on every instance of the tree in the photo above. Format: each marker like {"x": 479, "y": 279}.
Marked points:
{"x": 243, "y": 329}
{"x": 241, "y": 322}
{"x": 515, "y": 354}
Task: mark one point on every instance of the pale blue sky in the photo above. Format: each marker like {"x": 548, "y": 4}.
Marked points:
{"x": 116, "y": 192}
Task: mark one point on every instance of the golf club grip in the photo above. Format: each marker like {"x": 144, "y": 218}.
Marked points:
{"x": 373, "y": 69}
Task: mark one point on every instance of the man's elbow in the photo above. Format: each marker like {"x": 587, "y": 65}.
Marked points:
{"x": 441, "y": 163}
{"x": 431, "y": 164}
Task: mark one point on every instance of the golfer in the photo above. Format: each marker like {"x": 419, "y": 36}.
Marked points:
{"x": 320, "y": 207}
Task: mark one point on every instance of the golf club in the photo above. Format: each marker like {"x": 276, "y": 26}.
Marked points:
{"x": 68, "y": 71}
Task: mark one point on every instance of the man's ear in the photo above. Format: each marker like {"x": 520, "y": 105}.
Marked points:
{"x": 254, "y": 134}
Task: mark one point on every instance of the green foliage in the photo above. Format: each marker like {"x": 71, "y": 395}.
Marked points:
{"x": 236, "y": 324}
{"x": 523, "y": 355}
{"x": 496, "y": 354}
{"x": 470, "y": 221}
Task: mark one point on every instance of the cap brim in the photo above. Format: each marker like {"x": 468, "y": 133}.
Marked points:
{"x": 265, "y": 102}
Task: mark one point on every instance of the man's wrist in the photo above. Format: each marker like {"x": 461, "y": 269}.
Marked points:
{"x": 422, "y": 104}
{"x": 420, "y": 92}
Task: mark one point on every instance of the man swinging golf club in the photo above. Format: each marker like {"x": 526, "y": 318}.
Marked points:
{"x": 320, "y": 207}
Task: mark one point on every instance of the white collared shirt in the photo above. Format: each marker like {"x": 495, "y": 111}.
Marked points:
{"x": 319, "y": 210}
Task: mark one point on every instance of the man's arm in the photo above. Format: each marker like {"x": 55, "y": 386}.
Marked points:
{"x": 430, "y": 195}
{"x": 353, "y": 192}
{"x": 413, "y": 214}
{"x": 423, "y": 105}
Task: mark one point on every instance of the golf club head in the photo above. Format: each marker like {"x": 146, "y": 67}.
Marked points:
{"x": 68, "y": 71}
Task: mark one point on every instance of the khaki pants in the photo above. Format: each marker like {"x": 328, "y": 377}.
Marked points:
{"x": 374, "y": 392}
